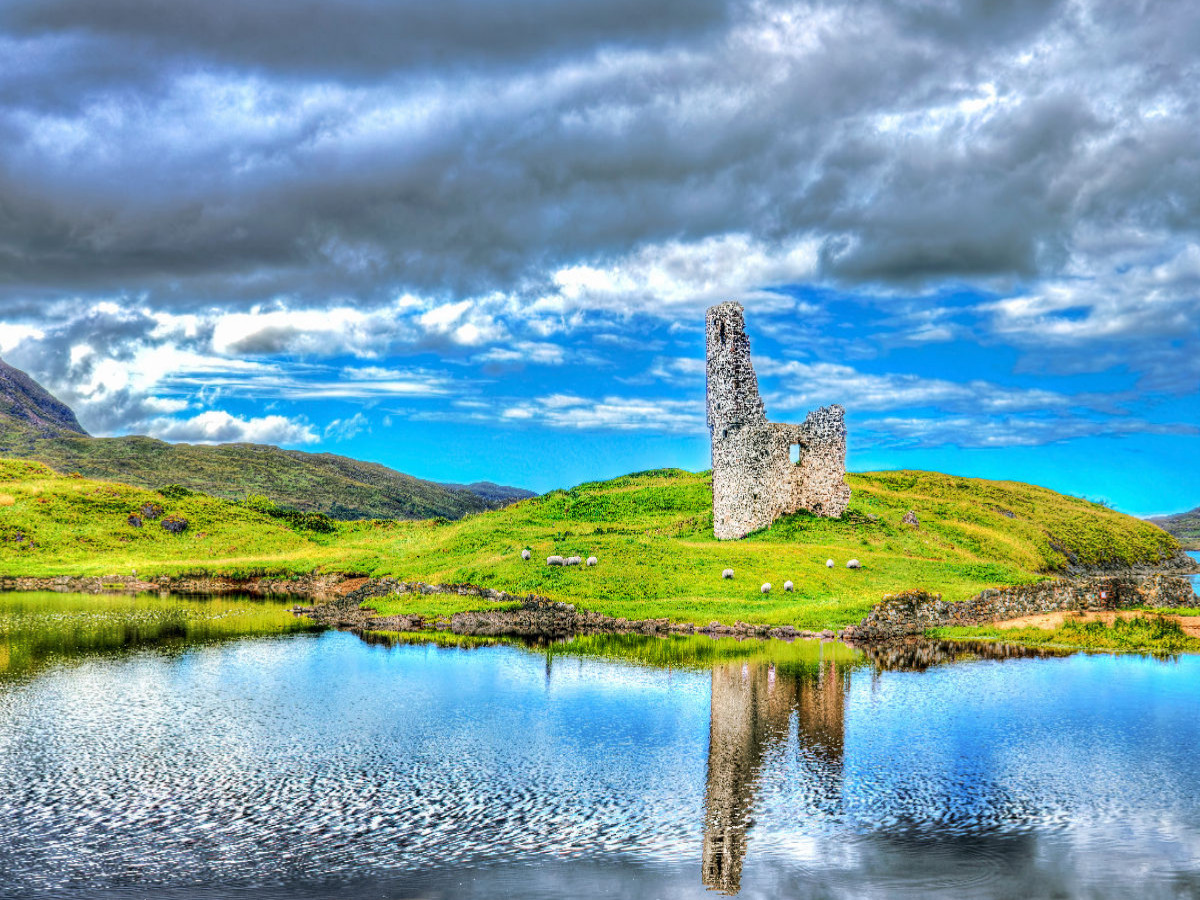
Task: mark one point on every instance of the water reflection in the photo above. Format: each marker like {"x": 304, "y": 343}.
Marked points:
{"x": 321, "y": 765}
{"x": 40, "y": 628}
{"x": 753, "y": 708}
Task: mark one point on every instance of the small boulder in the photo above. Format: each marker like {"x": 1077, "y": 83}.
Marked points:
{"x": 766, "y": 588}
{"x": 829, "y": 563}
{"x": 555, "y": 561}
{"x": 525, "y": 554}
{"x": 854, "y": 564}
{"x": 591, "y": 560}
{"x": 174, "y": 524}
{"x": 910, "y": 518}
{"x": 788, "y": 586}
{"x": 727, "y": 574}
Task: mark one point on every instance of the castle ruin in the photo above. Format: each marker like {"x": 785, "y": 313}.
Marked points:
{"x": 755, "y": 480}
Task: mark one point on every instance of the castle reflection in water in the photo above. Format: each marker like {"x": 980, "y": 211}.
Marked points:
{"x": 758, "y": 706}
{"x": 755, "y": 707}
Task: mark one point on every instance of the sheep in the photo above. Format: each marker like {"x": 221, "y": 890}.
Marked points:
{"x": 788, "y": 586}
{"x": 574, "y": 560}
{"x": 555, "y": 561}
{"x": 727, "y": 574}
{"x": 829, "y": 563}
{"x": 766, "y": 588}
{"x": 525, "y": 554}
{"x": 854, "y": 564}
{"x": 591, "y": 560}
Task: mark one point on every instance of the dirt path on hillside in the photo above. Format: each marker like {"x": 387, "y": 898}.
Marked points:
{"x": 1050, "y": 621}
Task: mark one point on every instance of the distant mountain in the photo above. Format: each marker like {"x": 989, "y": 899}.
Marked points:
{"x": 1184, "y": 526}
{"x": 36, "y": 425}
{"x": 28, "y": 404}
{"x": 500, "y": 494}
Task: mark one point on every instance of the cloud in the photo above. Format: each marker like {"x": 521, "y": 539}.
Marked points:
{"x": 217, "y": 427}
{"x": 345, "y": 429}
{"x": 982, "y": 432}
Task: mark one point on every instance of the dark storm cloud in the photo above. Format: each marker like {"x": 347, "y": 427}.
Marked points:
{"x": 222, "y": 157}
{"x": 354, "y": 39}
{"x": 509, "y": 174}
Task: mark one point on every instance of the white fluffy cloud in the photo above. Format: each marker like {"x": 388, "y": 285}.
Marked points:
{"x": 218, "y": 427}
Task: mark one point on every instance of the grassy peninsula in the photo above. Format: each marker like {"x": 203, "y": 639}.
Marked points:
{"x": 651, "y": 531}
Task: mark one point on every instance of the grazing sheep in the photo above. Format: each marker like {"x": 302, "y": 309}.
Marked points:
{"x": 574, "y": 560}
{"x": 525, "y": 554}
{"x": 854, "y": 564}
{"x": 766, "y": 588}
{"x": 727, "y": 574}
{"x": 829, "y": 563}
{"x": 555, "y": 561}
{"x": 787, "y": 586}
{"x": 591, "y": 560}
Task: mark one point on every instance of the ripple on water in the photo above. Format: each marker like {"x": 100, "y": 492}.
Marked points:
{"x": 300, "y": 761}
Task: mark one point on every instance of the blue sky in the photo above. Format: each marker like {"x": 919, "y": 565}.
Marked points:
{"x": 476, "y": 241}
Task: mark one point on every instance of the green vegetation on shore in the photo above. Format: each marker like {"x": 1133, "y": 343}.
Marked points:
{"x": 651, "y": 532}
{"x": 1147, "y": 634}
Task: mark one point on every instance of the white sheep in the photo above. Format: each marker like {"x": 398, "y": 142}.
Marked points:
{"x": 854, "y": 564}
{"x": 591, "y": 560}
{"x": 525, "y": 554}
{"x": 574, "y": 560}
{"x": 829, "y": 563}
{"x": 727, "y": 574}
{"x": 788, "y": 586}
{"x": 555, "y": 561}
{"x": 766, "y": 588}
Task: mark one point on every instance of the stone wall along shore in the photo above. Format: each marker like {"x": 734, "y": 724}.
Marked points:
{"x": 912, "y": 612}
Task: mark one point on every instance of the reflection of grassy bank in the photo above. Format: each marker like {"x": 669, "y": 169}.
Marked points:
{"x": 1146, "y": 634}
{"x": 39, "y": 628}
{"x": 671, "y": 652}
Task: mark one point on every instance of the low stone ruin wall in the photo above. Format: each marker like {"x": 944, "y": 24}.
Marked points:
{"x": 312, "y": 586}
{"x": 914, "y": 611}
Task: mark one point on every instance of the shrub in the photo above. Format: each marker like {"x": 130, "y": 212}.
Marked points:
{"x": 135, "y": 520}
{"x": 175, "y": 524}
{"x": 176, "y": 491}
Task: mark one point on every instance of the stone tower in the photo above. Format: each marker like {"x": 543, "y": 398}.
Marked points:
{"x": 754, "y": 479}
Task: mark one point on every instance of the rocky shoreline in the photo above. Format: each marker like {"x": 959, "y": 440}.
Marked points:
{"x": 336, "y": 600}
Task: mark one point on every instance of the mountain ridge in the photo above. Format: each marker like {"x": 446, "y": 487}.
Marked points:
{"x": 1184, "y": 526}
{"x": 34, "y": 424}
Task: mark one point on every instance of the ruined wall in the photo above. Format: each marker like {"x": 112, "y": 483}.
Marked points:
{"x": 754, "y": 478}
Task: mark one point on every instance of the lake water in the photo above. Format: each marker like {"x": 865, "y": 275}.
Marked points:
{"x": 193, "y": 762}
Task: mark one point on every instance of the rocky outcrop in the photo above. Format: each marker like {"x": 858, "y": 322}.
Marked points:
{"x": 912, "y": 612}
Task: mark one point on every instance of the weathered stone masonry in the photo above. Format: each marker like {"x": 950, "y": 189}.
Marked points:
{"x": 754, "y": 479}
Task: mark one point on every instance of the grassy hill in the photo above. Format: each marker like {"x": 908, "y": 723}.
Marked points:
{"x": 652, "y": 534}
{"x": 36, "y": 425}
{"x": 1185, "y": 526}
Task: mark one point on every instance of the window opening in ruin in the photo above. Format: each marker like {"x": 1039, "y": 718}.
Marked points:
{"x": 794, "y": 454}
{"x": 722, "y": 334}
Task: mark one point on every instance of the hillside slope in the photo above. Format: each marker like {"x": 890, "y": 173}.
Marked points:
{"x": 1185, "y": 526}
{"x": 652, "y": 534}
{"x": 35, "y": 425}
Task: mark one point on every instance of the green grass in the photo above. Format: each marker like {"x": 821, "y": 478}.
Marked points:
{"x": 1149, "y": 634}
{"x": 39, "y": 628}
{"x": 651, "y": 531}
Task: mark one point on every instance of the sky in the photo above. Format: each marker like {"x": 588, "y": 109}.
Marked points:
{"x": 475, "y": 239}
